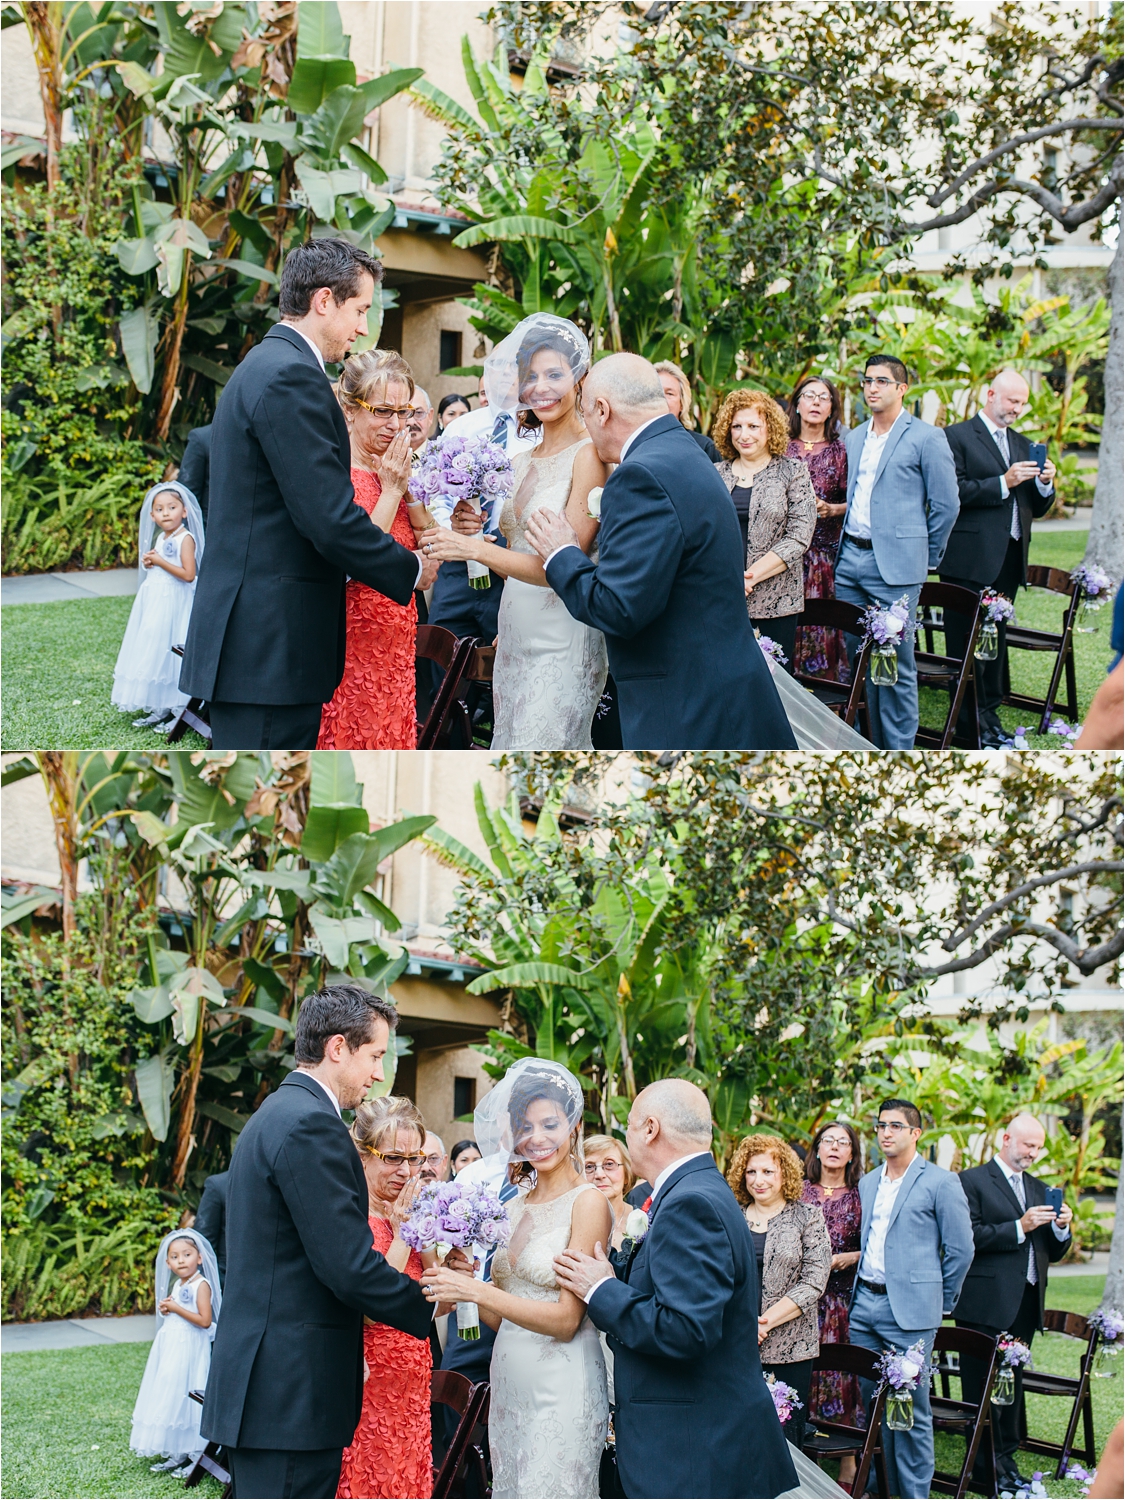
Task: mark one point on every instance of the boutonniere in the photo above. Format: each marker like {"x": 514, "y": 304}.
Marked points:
{"x": 594, "y": 510}
{"x": 636, "y": 1227}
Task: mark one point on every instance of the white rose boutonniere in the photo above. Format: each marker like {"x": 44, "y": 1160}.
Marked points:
{"x": 594, "y": 503}
{"x": 636, "y": 1225}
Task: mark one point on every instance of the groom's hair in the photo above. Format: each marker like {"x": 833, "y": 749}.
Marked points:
{"x": 339, "y": 1010}
{"x": 331, "y": 263}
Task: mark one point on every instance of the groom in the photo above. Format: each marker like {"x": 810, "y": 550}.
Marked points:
{"x": 265, "y": 646}
{"x": 693, "y": 1414}
{"x": 667, "y": 590}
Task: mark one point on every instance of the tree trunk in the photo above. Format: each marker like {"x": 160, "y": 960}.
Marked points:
{"x": 1114, "y": 1294}
{"x": 59, "y": 771}
{"x": 185, "y": 1138}
{"x": 1105, "y": 545}
{"x": 169, "y": 391}
{"x": 46, "y": 42}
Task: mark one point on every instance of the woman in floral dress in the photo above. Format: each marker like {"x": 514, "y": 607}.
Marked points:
{"x": 374, "y": 706}
{"x": 815, "y": 437}
{"x": 833, "y": 1168}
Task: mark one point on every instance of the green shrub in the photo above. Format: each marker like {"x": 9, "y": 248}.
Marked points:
{"x": 74, "y": 466}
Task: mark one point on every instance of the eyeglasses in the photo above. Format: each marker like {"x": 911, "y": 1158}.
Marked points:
{"x": 835, "y": 1140}
{"x": 385, "y": 412}
{"x": 397, "y": 1158}
{"x": 893, "y": 1125}
{"x": 609, "y": 1165}
{"x": 880, "y": 380}
{"x": 434, "y": 1160}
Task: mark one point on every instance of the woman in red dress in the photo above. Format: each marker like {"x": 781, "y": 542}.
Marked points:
{"x": 389, "y": 1457}
{"x": 815, "y": 438}
{"x": 374, "y": 706}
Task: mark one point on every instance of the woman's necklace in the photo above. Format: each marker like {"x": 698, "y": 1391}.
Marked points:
{"x": 758, "y": 1222}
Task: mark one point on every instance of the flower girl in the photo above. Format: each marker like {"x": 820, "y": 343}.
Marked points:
{"x": 147, "y": 674}
{"x": 165, "y": 1419}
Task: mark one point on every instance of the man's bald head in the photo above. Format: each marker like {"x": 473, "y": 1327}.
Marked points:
{"x": 668, "y": 1120}
{"x": 620, "y": 394}
{"x": 1006, "y": 398}
{"x": 1022, "y": 1142}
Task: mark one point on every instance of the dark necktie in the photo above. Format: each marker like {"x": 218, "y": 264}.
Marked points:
{"x": 1001, "y": 438}
{"x": 500, "y": 428}
{"x": 1021, "y": 1194}
{"x": 506, "y": 1194}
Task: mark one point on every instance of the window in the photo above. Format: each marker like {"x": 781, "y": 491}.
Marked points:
{"x": 450, "y": 356}
{"x": 464, "y": 1096}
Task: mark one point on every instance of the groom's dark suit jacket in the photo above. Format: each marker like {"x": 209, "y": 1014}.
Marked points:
{"x": 287, "y": 1364}
{"x": 283, "y": 535}
{"x": 667, "y": 592}
{"x": 694, "y": 1416}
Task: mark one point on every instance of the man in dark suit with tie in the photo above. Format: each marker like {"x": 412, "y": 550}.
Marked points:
{"x": 195, "y": 467}
{"x": 286, "y": 1380}
{"x": 210, "y": 1218}
{"x": 265, "y": 646}
{"x": 693, "y": 1415}
{"x": 667, "y": 590}
{"x": 1001, "y": 493}
{"x": 1016, "y": 1236}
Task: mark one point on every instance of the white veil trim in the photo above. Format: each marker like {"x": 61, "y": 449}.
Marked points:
{"x": 491, "y": 1118}
{"x": 165, "y": 1276}
{"x": 500, "y": 366}
{"x": 146, "y": 526}
{"x": 814, "y": 726}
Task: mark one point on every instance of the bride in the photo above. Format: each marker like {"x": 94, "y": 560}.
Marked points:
{"x": 549, "y": 1412}
{"x": 550, "y": 669}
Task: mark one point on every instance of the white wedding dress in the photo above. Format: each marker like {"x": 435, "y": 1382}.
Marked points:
{"x": 550, "y": 669}
{"x": 549, "y": 1412}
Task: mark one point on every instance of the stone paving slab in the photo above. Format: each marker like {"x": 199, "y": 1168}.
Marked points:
{"x": 47, "y": 588}
{"x": 77, "y": 1333}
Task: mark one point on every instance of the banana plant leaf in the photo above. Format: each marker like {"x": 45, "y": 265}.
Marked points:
{"x": 156, "y": 1078}
{"x": 336, "y": 934}
{"x": 314, "y": 79}
{"x": 327, "y": 827}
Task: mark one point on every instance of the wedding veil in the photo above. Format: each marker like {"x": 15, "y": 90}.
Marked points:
{"x": 506, "y": 369}
{"x": 500, "y": 1114}
{"x": 146, "y": 526}
{"x": 165, "y": 1276}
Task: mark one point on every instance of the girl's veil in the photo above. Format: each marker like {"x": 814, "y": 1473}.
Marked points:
{"x": 164, "y": 1276}
{"x": 146, "y": 526}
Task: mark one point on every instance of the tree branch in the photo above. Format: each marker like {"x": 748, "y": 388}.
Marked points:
{"x": 1052, "y": 877}
{"x": 1070, "y": 218}
{"x": 1086, "y": 961}
{"x": 1097, "y": 123}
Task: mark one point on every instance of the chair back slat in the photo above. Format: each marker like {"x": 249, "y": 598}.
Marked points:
{"x": 839, "y": 1438}
{"x": 970, "y": 1418}
{"x": 845, "y": 699}
{"x": 454, "y": 656}
{"x": 1053, "y": 579}
{"x": 1070, "y": 1325}
{"x": 954, "y": 673}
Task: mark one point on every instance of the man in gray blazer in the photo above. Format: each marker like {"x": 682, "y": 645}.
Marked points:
{"x": 902, "y": 503}
{"x": 916, "y": 1242}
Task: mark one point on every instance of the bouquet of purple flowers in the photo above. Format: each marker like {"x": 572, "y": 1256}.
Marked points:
{"x": 785, "y": 1401}
{"x": 772, "y": 652}
{"x": 458, "y": 1214}
{"x": 1094, "y": 582}
{"x": 902, "y": 1369}
{"x": 1108, "y": 1322}
{"x": 886, "y": 629}
{"x": 996, "y": 607}
{"x": 464, "y": 468}
{"x": 1015, "y": 1353}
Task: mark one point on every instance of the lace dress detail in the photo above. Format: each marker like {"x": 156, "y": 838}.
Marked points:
{"x": 550, "y": 1411}
{"x": 374, "y": 706}
{"x": 550, "y": 668}
{"x": 389, "y": 1456}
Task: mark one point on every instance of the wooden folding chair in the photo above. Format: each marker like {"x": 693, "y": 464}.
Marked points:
{"x": 1040, "y": 1383}
{"x": 1055, "y": 581}
{"x": 967, "y": 1418}
{"x": 466, "y": 1449}
{"x": 453, "y": 657}
{"x": 831, "y": 1439}
{"x": 208, "y": 1462}
{"x": 846, "y": 700}
{"x": 954, "y": 674}
{"x": 192, "y": 716}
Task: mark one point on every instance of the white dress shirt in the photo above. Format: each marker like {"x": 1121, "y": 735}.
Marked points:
{"x": 321, "y": 1083}
{"x": 657, "y": 1185}
{"x": 873, "y": 1265}
{"x": 859, "y": 515}
{"x": 999, "y": 436}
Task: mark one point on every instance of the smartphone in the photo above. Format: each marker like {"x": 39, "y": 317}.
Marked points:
{"x": 1037, "y": 454}
{"x": 1054, "y": 1197}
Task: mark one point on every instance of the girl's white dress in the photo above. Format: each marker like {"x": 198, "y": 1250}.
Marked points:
{"x": 147, "y": 674}
{"x": 165, "y": 1419}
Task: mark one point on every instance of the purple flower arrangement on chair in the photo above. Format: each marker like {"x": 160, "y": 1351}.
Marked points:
{"x": 996, "y": 609}
{"x": 886, "y": 628}
{"x": 1095, "y": 586}
{"x": 1109, "y": 1325}
{"x": 785, "y": 1401}
{"x": 901, "y": 1371}
{"x": 1013, "y": 1355}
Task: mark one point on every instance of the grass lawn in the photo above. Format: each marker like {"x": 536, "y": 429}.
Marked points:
{"x": 66, "y": 1415}
{"x": 1031, "y": 670}
{"x": 66, "y": 1421}
{"x": 58, "y": 675}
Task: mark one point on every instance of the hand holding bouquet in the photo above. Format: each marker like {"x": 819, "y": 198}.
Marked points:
{"x": 456, "y": 1215}
{"x": 473, "y": 469}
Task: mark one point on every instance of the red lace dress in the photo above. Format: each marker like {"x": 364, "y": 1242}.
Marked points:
{"x": 374, "y": 707}
{"x": 389, "y": 1457}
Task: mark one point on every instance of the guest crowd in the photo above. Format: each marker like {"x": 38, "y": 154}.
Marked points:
{"x": 876, "y": 1259}
{"x": 860, "y": 515}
